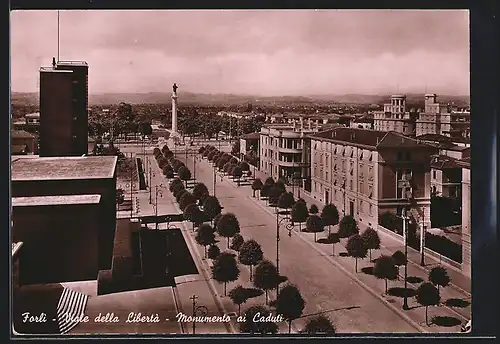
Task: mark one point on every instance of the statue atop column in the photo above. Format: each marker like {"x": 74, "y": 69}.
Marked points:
{"x": 174, "y": 88}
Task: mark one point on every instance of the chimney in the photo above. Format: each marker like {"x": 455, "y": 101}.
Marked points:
{"x": 54, "y": 62}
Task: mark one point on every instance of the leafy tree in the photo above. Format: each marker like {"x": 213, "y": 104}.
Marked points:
{"x": 269, "y": 181}
{"x": 250, "y": 254}
{"x": 211, "y": 155}
{"x": 274, "y": 195}
{"x": 356, "y": 248}
{"x": 314, "y": 209}
{"x": 227, "y": 167}
{"x": 372, "y": 240}
{"x": 225, "y": 269}
{"x": 205, "y": 236}
{"x": 213, "y": 251}
{"x": 227, "y": 226}
{"x": 399, "y": 258}
{"x": 186, "y": 199}
{"x": 439, "y": 277}
{"x": 333, "y": 238}
{"x": 169, "y": 174}
{"x": 320, "y": 324}
{"x": 256, "y": 185}
{"x": 201, "y": 150}
{"x": 266, "y": 276}
{"x": 233, "y": 161}
{"x": 290, "y": 304}
{"x": 348, "y": 227}
{"x": 385, "y": 269}
{"x": 211, "y": 207}
{"x": 314, "y": 224}
{"x": 193, "y": 214}
{"x": 184, "y": 174}
{"x": 286, "y": 200}
{"x": 200, "y": 190}
{"x": 244, "y": 166}
{"x": 257, "y": 327}
{"x": 237, "y": 173}
{"x": 299, "y": 213}
{"x": 427, "y": 295}
{"x": 236, "y": 242}
{"x": 239, "y": 296}
{"x": 179, "y": 194}
{"x": 166, "y": 169}
{"x": 216, "y": 220}
{"x": 265, "y": 190}
{"x": 330, "y": 215}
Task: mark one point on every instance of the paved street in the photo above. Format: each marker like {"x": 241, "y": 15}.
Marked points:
{"x": 325, "y": 287}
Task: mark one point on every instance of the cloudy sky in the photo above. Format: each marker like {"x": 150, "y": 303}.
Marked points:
{"x": 249, "y": 52}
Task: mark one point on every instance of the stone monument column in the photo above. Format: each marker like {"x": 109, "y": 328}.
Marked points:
{"x": 174, "y": 108}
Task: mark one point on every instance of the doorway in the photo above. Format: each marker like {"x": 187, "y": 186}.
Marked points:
{"x": 351, "y": 208}
{"x": 327, "y": 197}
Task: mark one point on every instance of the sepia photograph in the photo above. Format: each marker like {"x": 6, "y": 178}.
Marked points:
{"x": 229, "y": 172}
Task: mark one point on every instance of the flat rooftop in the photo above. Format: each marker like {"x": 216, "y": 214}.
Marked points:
{"x": 55, "y": 200}
{"x": 63, "y": 168}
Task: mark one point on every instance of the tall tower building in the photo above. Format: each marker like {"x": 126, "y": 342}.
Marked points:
{"x": 64, "y": 109}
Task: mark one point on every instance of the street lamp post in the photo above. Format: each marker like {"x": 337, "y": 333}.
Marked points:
{"x": 151, "y": 174}
{"x": 158, "y": 191}
{"x": 288, "y": 225}
{"x": 200, "y": 311}
{"x": 405, "y": 231}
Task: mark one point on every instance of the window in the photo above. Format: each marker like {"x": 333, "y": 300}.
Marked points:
{"x": 350, "y": 184}
{"x": 361, "y": 206}
{"x": 370, "y": 209}
{"x": 326, "y": 178}
{"x": 399, "y": 157}
{"x": 361, "y": 187}
{"x": 408, "y": 156}
{"x": 434, "y": 174}
{"x": 403, "y": 174}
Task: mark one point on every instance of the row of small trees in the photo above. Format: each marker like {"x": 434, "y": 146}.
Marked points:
{"x": 226, "y": 162}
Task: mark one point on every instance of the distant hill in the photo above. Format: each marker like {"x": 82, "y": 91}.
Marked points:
{"x": 233, "y": 99}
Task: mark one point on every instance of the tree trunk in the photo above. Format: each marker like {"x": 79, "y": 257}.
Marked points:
{"x": 289, "y": 326}
{"x": 227, "y": 242}
{"x": 333, "y": 249}
{"x": 225, "y": 284}
{"x": 193, "y": 226}
{"x": 251, "y": 268}
{"x": 239, "y": 309}
{"x": 253, "y": 195}
{"x": 370, "y": 253}
{"x": 386, "y": 285}
{"x": 329, "y": 230}
{"x": 315, "y": 237}
{"x": 438, "y": 289}
{"x": 300, "y": 226}
{"x": 426, "y": 321}
{"x": 266, "y": 296}
{"x": 356, "y": 264}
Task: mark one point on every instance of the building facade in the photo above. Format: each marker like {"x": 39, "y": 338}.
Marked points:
{"x": 394, "y": 117}
{"x": 360, "y": 172}
{"x": 282, "y": 148}
{"x": 60, "y": 236}
{"x": 65, "y": 176}
{"x": 466, "y": 224}
{"x": 64, "y": 109}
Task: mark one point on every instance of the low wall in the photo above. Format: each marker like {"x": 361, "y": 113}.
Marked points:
{"x": 427, "y": 252}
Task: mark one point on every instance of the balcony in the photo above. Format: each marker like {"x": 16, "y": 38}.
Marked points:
{"x": 289, "y": 150}
{"x": 290, "y": 163}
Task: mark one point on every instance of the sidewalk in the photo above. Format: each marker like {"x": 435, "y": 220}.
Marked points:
{"x": 455, "y": 316}
{"x": 459, "y": 281}
{"x": 200, "y": 284}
